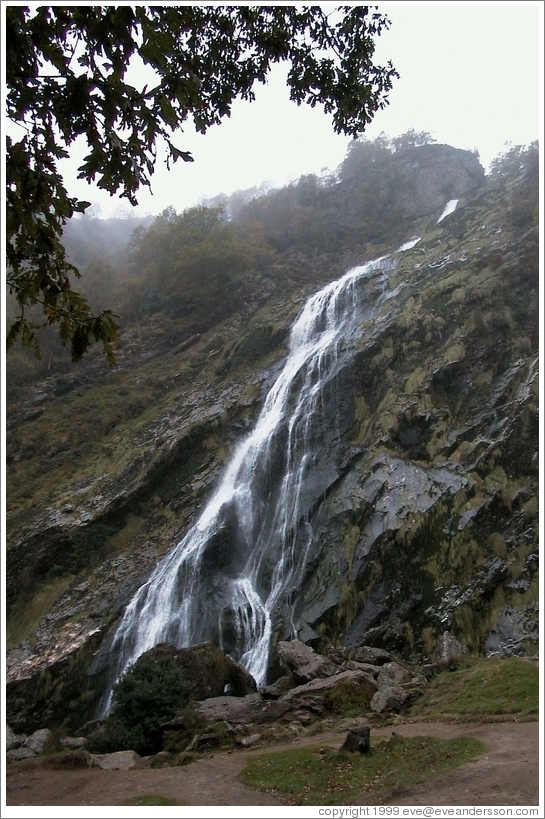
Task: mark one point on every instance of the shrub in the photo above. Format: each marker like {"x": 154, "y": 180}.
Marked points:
{"x": 150, "y": 693}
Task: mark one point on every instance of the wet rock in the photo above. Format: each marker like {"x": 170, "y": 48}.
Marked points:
{"x": 314, "y": 694}
{"x": 242, "y": 710}
{"x": 276, "y": 689}
{"x": 302, "y": 662}
{"x": 507, "y": 635}
{"x": 38, "y": 740}
{"x": 16, "y": 754}
{"x": 389, "y": 697}
{"x": 448, "y": 648}
{"x": 13, "y": 740}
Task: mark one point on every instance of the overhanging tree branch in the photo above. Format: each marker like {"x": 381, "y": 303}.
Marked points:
{"x": 205, "y": 57}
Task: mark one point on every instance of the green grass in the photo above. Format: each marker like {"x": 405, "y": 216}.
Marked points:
{"x": 322, "y": 776}
{"x": 25, "y": 616}
{"x": 151, "y": 799}
{"x": 482, "y": 690}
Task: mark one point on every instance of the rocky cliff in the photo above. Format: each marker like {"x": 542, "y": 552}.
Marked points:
{"x": 424, "y": 516}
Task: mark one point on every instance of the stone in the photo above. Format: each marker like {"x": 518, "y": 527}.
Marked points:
{"x": 73, "y": 743}
{"x": 241, "y": 710}
{"x": 320, "y": 687}
{"x": 358, "y": 739}
{"x": 302, "y": 662}
{"x": 389, "y": 697}
{"x": 38, "y": 740}
{"x": 276, "y": 689}
{"x": 17, "y": 754}
{"x": 247, "y": 742}
{"x": 448, "y": 648}
{"x": 392, "y": 673}
{"x": 13, "y": 740}
{"x": 118, "y": 761}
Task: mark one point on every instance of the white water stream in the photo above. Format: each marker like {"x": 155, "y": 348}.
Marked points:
{"x": 247, "y": 551}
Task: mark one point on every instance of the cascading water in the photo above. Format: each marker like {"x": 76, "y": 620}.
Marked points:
{"x": 247, "y": 551}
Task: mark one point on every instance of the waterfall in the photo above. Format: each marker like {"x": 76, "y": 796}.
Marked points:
{"x": 247, "y": 552}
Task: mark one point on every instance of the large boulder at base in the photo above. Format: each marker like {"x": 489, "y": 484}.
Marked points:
{"x": 209, "y": 671}
{"x": 240, "y": 710}
{"x": 302, "y": 662}
{"x": 317, "y": 695}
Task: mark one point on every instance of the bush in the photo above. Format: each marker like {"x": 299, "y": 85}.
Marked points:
{"x": 150, "y": 693}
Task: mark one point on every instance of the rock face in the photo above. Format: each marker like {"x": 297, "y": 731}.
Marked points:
{"x": 435, "y": 174}
{"x": 424, "y": 517}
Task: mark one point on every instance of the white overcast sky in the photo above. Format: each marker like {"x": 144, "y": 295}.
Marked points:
{"x": 471, "y": 75}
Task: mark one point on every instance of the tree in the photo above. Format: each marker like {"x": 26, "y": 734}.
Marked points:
{"x": 66, "y": 77}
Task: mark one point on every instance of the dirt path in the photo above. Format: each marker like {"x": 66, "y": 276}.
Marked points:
{"x": 507, "y": 774}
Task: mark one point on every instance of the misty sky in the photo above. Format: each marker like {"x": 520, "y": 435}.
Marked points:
{"x": 471, "y": 75}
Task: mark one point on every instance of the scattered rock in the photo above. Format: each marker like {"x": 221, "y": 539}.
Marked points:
{"x": 19, "y": 753}
{"x": 13, "y": 740}
{"x": 448, "y": 648}
{"x": 118, "y": 761}
{"x": 247, "y": 742}
{"x": 38, "y": 740}
{"x": 73, "y": 743}
{"x": 302, "y": 662}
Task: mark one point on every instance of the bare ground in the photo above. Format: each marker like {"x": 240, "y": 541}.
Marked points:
{"x": 506, "y": 774}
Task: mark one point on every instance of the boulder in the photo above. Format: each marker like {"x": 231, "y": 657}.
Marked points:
{"x": 13, "y": 740}
{"x": 448, "y": 648}
{"x": 240, "y": 710}
{"x": 393, "y": 673}
{"x": 38, "y": 740}
{"x": 73, "y": 743}
{"x": 389, "y": 697}
{"x": 208, "y": 670}
{"x": 17, "y": 754}
{"x": 320, "y": 695}
{"x": 118, "y": 761}
{"x": 326, "y": 684}
{"x": 302, "y": 662}
{"x": 276, "y": 689}
{"x": 396, "y": 685}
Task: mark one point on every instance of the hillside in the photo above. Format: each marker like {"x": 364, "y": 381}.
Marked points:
{"x": 422, "y": 504}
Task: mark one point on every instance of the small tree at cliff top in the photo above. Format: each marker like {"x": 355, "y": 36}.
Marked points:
{"x": 66, "y": 79}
